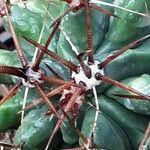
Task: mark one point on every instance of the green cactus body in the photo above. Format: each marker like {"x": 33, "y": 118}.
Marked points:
{"x": 108, "y": 134}
{"x": 121, "y": 122}
{"x": 140, "y": 83}
{"x": 133, "y": 124}
{"x": 9, "y": 116}
{"x": 128, "y": 28}
{"x": 6, "y": 59}
{"x": 35, "y": 133}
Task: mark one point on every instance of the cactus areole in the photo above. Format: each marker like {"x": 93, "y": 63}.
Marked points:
{"x": 32, "y": 76}
{"x": 86, "y": 74}
{"x": 75, "y": 3}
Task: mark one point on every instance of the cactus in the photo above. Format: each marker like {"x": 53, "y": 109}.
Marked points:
{"x": 80, "y": 74}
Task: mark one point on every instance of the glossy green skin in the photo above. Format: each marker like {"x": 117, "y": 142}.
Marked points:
{"x": 9, "y": 115}
{"x": 108, "y": 134}
{"x": 133, "y": 124}
{"x": 131, "y": 63}
{"x": 139, "y": 83}
{"x": 26, "y": 23}
{"x": 70, "y": 136}
{"x": 34, "y": 130}
{"x": 65, "y": 50}
{"x": 76, "y": 31}
{"x": 29, "y": 22}
{"x": 6, "y": 59}
{"x": 128, "y": 28}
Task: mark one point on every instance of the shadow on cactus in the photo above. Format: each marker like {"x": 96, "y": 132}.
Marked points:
{"x": 103, "y": 116}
